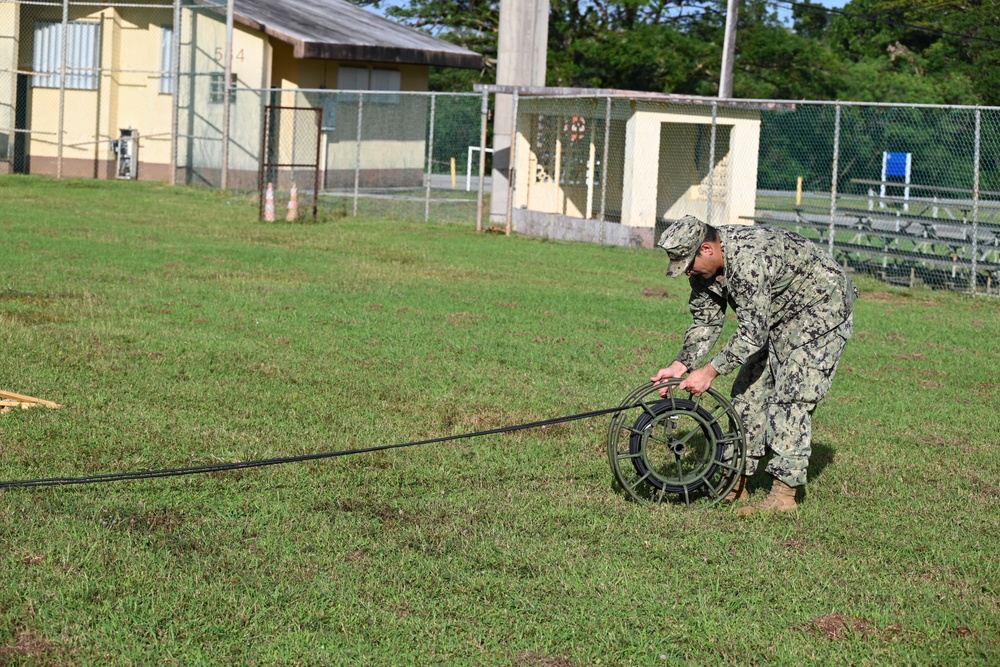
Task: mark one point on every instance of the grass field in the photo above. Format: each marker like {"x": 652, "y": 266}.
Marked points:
{"x": 176, "y": 330}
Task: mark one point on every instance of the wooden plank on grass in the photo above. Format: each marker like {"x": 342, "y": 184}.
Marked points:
{"x": 28, "y": 399}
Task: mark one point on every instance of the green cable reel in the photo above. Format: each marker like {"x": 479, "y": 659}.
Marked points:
{"x": 672, "y": 450}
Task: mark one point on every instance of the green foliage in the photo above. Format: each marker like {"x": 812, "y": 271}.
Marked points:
{"x": 871, "y": 50}
{"x": 177, "y": 330}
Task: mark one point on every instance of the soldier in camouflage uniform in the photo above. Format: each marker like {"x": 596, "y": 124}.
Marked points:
{"x": 794, "y": 315}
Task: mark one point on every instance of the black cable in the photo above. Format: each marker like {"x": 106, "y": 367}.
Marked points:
{"x": 194, "y": 470}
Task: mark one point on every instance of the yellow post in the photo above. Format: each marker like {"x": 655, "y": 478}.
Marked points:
{"x": 798, "y": 192}
{"x": 453, "y": 173}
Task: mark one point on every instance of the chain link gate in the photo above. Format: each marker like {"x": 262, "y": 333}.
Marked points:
{"x": 291, "y": 140}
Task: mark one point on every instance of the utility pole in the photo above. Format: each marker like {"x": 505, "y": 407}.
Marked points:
{"x": 729, "y": 49}
{"x": 522, "y": 51}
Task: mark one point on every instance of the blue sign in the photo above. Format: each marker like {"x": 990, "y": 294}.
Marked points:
{"x": 895, "y": 164}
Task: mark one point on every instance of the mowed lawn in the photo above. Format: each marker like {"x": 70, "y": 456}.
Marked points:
{"x": 177, "y": 330}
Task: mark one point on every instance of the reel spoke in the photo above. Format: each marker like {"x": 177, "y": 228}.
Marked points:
{"x": 676, "y": 450}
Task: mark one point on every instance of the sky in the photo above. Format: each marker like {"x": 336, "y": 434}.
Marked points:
{"x": 784, "y": 14}
{"x": 834, "y": 4}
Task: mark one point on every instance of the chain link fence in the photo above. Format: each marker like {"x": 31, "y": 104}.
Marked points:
{"x": 907, "y": 193}
{"x": 617, "y": 170}
{"x": 915, "y": 197}
{"x": 400, "y": 155}
{"x": 112, "y": 89}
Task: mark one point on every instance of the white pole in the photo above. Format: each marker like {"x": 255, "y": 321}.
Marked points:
{"x": 906, "y": 190}
{"x": 226, "y": 104}
{"x": 604, "y": 162}
{"x": 975, "y": 201}
{"x": 357, "y": 152}
{"x": 881, "y": 191}
{"x": 484, "y": 110}
{"x": 175, "y": 87}
{"x": 512, "y": 167}
{"x": 468, "y": 170}
{"x": 711, "y": 166}
{"x": 430, "y": 162}
{"x": 729, "y": 49}
{"x": 62, "y": 88}
{"x": 835, "y": 175}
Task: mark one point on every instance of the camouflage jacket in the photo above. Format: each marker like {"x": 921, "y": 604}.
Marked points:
{"x": 785, "y": 292}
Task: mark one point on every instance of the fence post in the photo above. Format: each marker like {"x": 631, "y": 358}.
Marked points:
{"x": 604, "y": 164}
{"x": 226, "y": 102}
{"x": 512, "y": 167}
{"x": 357, "y": 152}
{"x": 62, "y": 88}
{"x": 709, "y": 212}
{"x": 430, "y": 162}
{"x": 175, "y": 87}
{"x": 836, "y": 173}
{"x": 975, "y": 201}
{"x": 484, "y": 111}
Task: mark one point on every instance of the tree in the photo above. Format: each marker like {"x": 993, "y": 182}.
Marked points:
{"x": 872, "y": 50}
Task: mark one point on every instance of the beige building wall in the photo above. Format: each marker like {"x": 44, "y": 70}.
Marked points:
{"x": 9, "y": 39}
{"x": 660, "y": 173}
{"x": 128, "y": 96}
{"x": 678, "y": 144}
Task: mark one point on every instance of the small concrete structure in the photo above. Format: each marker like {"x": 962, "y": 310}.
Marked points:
{"x": 667, "y": 156}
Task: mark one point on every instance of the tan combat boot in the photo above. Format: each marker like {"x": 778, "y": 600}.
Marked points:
{"x": 780, "y": 499}
{"x": 739, "y": 494}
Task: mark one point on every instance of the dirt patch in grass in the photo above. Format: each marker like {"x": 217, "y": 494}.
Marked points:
{"x": 983, "y": 487}
{"x": 32, "y": 318}
{"x": 893, "y": 299}
{"x": 26, "y": 645}
{"x": 33, "y": 559}
{"x": 463, "y": 318}
{"x": 986, "y": 389}
{"x": 532, "y": 659}
{"x": 656, "y": 293}
{"x": 840, "y": 626}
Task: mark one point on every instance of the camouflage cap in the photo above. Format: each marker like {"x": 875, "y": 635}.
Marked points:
{"x": 681, "y": 240}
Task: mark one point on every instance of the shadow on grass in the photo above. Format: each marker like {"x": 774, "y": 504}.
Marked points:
{"x": 822, "y": 456}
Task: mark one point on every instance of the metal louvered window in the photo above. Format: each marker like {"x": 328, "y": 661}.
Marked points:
{"x": 166, "y": 59}
{"x": 83, "y": 55}
{"x": 363, "y": 78}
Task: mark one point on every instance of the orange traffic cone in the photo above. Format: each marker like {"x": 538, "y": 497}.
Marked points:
{"x": 293, "y": 205}
{"x": 269, "y": 204}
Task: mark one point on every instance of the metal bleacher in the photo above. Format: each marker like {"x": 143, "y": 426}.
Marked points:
{"x": 904, "y": 240}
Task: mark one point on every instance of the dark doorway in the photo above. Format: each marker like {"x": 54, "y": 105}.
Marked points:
{"x": 22, "y": 161}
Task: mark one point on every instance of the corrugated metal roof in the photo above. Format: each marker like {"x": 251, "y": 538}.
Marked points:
{"x": 338, "y": 30}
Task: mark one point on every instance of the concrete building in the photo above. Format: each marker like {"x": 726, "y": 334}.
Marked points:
{"x": 120, "y": 66}
{"x": 586, "y": 157}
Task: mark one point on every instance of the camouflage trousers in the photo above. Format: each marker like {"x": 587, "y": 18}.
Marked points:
{"x": 775, "y": 394}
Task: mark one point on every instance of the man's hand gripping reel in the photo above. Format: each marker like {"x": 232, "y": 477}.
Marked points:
{"x": 676, "y": 449}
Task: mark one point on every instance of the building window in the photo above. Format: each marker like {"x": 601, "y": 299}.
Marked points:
{"x": 83, "y": 55}
{"x": 363, "y": 78}
{"x": 216, "y": 88}
{"x": 352, "y": 78}
{"x": 166, "y": 59}
{"x": 385, "y": 79}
